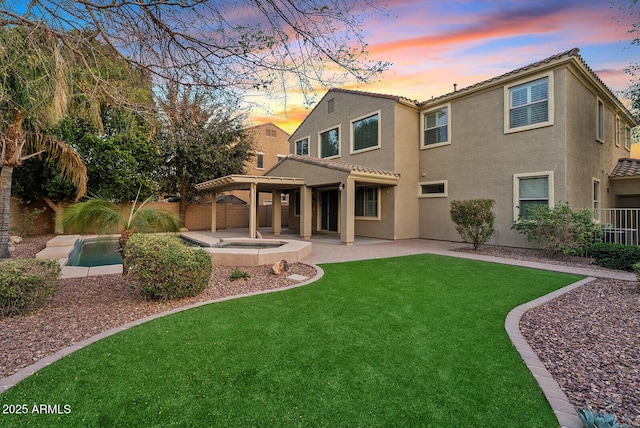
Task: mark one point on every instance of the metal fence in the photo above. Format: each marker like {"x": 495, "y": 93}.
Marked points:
{"x": 620, "y": 225}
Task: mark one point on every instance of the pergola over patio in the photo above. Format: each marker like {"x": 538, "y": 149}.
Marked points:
{"x": 255, "y": 184}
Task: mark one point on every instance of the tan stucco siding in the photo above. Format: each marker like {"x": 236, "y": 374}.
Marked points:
{"x": 348, "y": 107}
{"x": 407, "y": 143}
{"x": 588, "y": 158}
{"x": 481, "y": 162}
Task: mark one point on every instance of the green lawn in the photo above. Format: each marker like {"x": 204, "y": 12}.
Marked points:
{"x": 407, "y": 341}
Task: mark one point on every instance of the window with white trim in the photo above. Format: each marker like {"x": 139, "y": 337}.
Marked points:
{"x": 330, "y": 105}
{"x": 302, "y": 147}
{"x": 330, "y": 143}
{"x": 595, "y": 196}
{"x": 260, "y": 160}
{"x": 619, "y": 131}
{"x": 433, "y": 189}
{"x": 529, "y": 104}
{"x": 627, "y": 138}
{"x": 365, "y": 133}
{"x": 600, "y": 121}
{"x": 530, "y": 190}
{"x": 366, "y": 203}
{"x": 436, "y": 127}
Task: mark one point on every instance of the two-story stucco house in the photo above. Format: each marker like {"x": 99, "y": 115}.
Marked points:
{"x": 388, "y": 167}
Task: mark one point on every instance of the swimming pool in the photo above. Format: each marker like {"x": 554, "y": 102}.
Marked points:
{"x": 95, "y": 252}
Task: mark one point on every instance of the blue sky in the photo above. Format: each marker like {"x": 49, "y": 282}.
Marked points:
{"x": 434, "y": 44}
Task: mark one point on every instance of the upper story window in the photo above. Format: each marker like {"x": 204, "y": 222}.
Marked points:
{"x": 302, "y": 147}
{"x": 627, "y": 138}
{"x": 619, "y": 131}
{"x": 260, "y": 160}
{"x": 271, "y": 133}
{"x": 436, "y": 127}
{"x": 531, "y": 190}
{"x": 330, "y": 143}
{"x": 331, "y": 105}
{"x": 365, "y": 133}
{"x": 529, "y": 104}
{"x": 600, "y": 121}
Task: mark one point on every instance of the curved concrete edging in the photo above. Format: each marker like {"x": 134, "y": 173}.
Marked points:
{"x": 564, "y": 411}
{"x": 10, "y": 381}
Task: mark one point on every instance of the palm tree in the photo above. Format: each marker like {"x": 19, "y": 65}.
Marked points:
{"x": 33, "y": 95}
{"x": 105, "y": 216}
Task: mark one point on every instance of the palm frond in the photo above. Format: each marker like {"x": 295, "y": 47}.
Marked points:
{"x": 151, "y": 219}
{"x": 69, "y": 163}
{"x": 94, "y": 213}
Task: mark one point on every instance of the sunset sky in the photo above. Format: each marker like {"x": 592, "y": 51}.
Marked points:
{"x": 434, "y": 44}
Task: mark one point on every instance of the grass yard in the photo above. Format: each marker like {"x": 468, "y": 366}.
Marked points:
{"x": 407, "y": 341}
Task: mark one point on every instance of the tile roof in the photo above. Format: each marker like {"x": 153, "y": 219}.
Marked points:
{"x": 375, "y": 95}
{"x": 626, "y": 167}
{"x": 340, "y": 166}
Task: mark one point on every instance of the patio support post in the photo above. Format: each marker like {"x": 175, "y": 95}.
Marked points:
{"x": 252, "y": 211}
{"x": 214, "y": 212}
{"x": 276, "y": 214}
{"x": 306, "y": 212}
{"x": 347, "y": 212}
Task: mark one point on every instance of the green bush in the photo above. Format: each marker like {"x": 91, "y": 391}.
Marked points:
{"x": 615, "y": 256}
{"x": 162, "y": 267}
{"x": 474, "y": 220}
{"x": 27, "y": 284}
{"x": 237, "y": 274}
{"x": 560, "y": 230}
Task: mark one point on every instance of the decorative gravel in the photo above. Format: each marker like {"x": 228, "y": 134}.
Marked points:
{"x": 589, "y": 338}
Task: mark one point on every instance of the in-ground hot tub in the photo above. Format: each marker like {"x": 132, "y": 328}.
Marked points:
{"x": 250, "y": 252}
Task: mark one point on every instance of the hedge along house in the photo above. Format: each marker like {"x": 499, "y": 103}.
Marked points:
{"x": 388, "y": 167}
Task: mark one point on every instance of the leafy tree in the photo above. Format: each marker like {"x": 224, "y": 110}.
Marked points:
{"x": 204, "y": 140}
{"x": 121, "y": 159}
{"x": 474, "y": 220}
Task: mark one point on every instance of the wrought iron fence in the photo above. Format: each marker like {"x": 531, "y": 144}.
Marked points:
{"x": 619, "y": 225}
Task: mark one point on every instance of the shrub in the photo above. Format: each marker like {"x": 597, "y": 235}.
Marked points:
{"x": 474, "y": 220}
{"x": 560, "y": 230}
{"x": 237, "y": 274}
{"x": 598, "y": 420}
{"x": 27, "y": 284}
{"x": 162, "y": 267}
{"x": 615, "y": 256}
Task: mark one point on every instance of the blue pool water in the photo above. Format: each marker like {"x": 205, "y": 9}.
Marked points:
{"x": 90, "y": 253}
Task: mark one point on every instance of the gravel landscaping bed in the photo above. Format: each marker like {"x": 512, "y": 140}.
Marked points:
{"x": 589, "y": 339}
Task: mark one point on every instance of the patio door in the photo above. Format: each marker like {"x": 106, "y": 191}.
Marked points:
{"x": 329, "y": 210}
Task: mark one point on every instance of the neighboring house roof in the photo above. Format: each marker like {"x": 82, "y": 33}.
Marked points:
{"x": 262, "y": 125}
{"x": 339, "y": 166}
{"x": 230, "y": 199}
{"x": 626, "y": 167}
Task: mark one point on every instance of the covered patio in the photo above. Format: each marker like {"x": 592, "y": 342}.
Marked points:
{"x": 254, "y": 184}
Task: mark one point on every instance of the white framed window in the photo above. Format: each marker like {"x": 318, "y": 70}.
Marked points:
{"x": 529, "y": 104}
{"x": 436, "y": 127}
{"x": 365, "y": 133}
{"x": 600, "y": 121}
{"x": 331, "y": 105}
{"x": 595, "y": 197}
{"x": 302, "y": 147}
{"x": 329, "y": 143}
{"x": 627, "y": 138}
{"x": 531, "y": 189}
{"x": 367, "y": 204}
{"x": 260, "y": 160}
{"x": 619, "y": 131}
{"x": 433, "y": 189}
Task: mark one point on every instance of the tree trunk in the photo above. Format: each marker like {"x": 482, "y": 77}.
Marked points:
{"x": 58, "y": 209}
{"x": 5, "y": 206}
